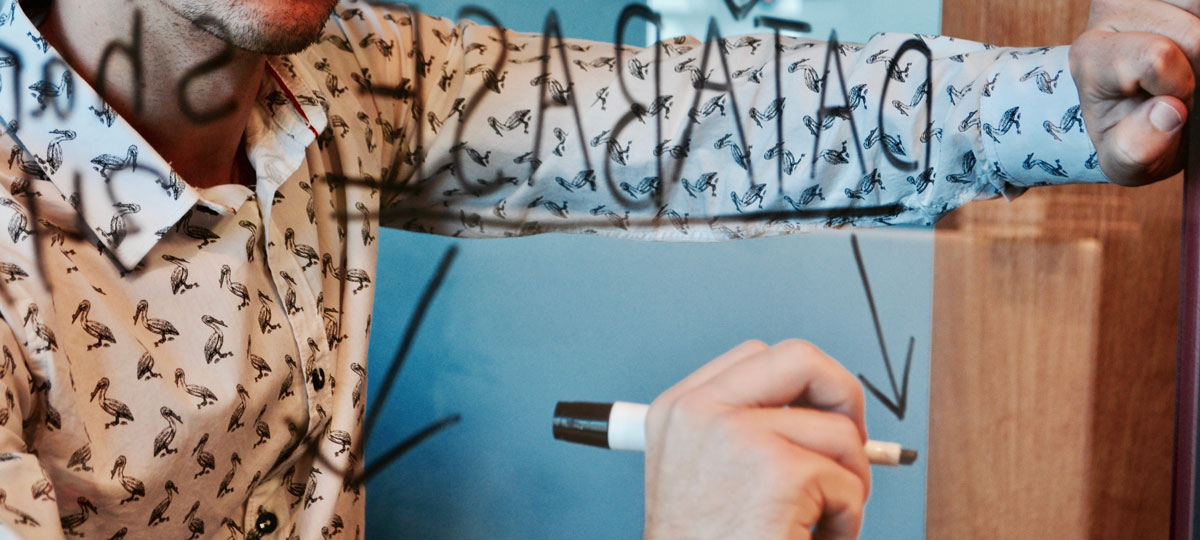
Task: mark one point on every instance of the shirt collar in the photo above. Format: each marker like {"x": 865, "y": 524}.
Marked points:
{"x": 122, "y": 188}
{"x": 290, "y": 115}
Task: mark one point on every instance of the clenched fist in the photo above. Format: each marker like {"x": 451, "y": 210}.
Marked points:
{"x": 1134, "y": 70}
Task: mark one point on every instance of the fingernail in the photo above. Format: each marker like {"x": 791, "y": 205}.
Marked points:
{"x": 1165, "y": 117}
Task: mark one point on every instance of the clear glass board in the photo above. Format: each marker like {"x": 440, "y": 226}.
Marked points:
{"x": 517, "y": 325}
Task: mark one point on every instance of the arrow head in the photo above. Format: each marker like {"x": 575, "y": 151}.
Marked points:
{"x": 740, "y": 12}
{"x": 900, "y": 404}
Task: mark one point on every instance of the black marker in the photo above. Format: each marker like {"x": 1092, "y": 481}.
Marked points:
{"x": 621, "y": 426}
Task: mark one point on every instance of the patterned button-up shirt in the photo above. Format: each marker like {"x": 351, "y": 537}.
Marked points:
{"x": 181, "y": 361}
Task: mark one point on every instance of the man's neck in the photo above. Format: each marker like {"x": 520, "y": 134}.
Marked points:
{"x": 204, "y": 153}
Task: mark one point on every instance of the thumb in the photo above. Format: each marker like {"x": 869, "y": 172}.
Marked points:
{"x": 1144, "y": 146}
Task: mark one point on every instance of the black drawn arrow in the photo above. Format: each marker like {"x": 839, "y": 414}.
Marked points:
{"x": 414, "y": 324}
{"x": 900, "y": 404}
{"x": 739, "y": 12}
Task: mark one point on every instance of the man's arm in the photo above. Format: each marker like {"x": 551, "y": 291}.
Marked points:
{"x": 29, "y": 509}
{"x": 508, "y": 133}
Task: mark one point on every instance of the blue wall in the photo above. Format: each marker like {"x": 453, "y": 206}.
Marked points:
{"x": 520, "y": 324}
{"x": 582, "y": 19}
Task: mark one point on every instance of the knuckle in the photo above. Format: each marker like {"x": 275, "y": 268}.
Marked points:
{"x": 857, "y": 397}
{"x": 845, "y": 432}
{"x": 843, "y": 391}
{"x": 1090, "y": 54}
{"x": 1158, "y": 54}
{"x": 845, "y": 388}
{"x": 800, "y": 348}
{"x": 754, "y": 346}
{"x": 1076, "y": 54}
{"x": 858, "y": 499}
{"x": 1085, "y": 43}
{"x": 688, "y": 410}
{"x": 1079, "y": 59}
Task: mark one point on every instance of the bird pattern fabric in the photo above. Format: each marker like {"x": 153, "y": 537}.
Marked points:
{"x": 191, "y": 363}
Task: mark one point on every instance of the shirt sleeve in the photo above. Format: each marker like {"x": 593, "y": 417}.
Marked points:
{"x": 505, "y": 133}
{"x": 27, "y": 508}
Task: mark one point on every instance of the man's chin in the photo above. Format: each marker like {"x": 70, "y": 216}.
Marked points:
{"x": 281, "y": 43}
{"x": 263, "y": 31}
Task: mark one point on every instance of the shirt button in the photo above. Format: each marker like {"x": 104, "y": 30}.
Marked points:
{"x": 266, "y": 523}
{"x": 318, "y": 379}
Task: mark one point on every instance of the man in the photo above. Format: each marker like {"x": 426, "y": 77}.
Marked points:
{"x": 188, "y": 260}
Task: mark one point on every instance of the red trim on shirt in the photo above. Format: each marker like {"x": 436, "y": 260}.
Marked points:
{"x": 292, "y": 98}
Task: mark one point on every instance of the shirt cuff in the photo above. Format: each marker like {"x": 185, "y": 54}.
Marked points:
{"x": 1031, "y": 125}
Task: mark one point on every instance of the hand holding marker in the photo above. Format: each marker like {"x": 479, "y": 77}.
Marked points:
{"x": 621, "y": 426}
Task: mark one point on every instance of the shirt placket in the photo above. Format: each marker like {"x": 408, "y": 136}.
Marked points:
{"x": 269, "y": 513}
{"x": 308, "y": 328}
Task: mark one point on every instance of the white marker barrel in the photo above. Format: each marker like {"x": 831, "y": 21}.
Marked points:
{"x": 627, "y": 426}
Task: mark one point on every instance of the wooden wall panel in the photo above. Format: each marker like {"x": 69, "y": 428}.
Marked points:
{"x": 1015, "y": 466}
{"x": 1015, "y": 23}
{"x": 1027, "y": 363}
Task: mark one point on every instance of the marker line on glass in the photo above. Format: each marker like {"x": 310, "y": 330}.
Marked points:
{"x": 621, "y": 426}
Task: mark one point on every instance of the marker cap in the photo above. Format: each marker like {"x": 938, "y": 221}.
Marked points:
{"x": 582, "y": 422}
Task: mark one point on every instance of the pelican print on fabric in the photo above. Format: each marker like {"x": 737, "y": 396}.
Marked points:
{"x": 189, "y": 363}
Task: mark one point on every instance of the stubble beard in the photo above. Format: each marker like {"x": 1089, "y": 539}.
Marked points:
{"x": 245, "y": 26}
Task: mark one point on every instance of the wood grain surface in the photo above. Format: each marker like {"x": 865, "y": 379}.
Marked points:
{"x": 1054, "y": 342}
